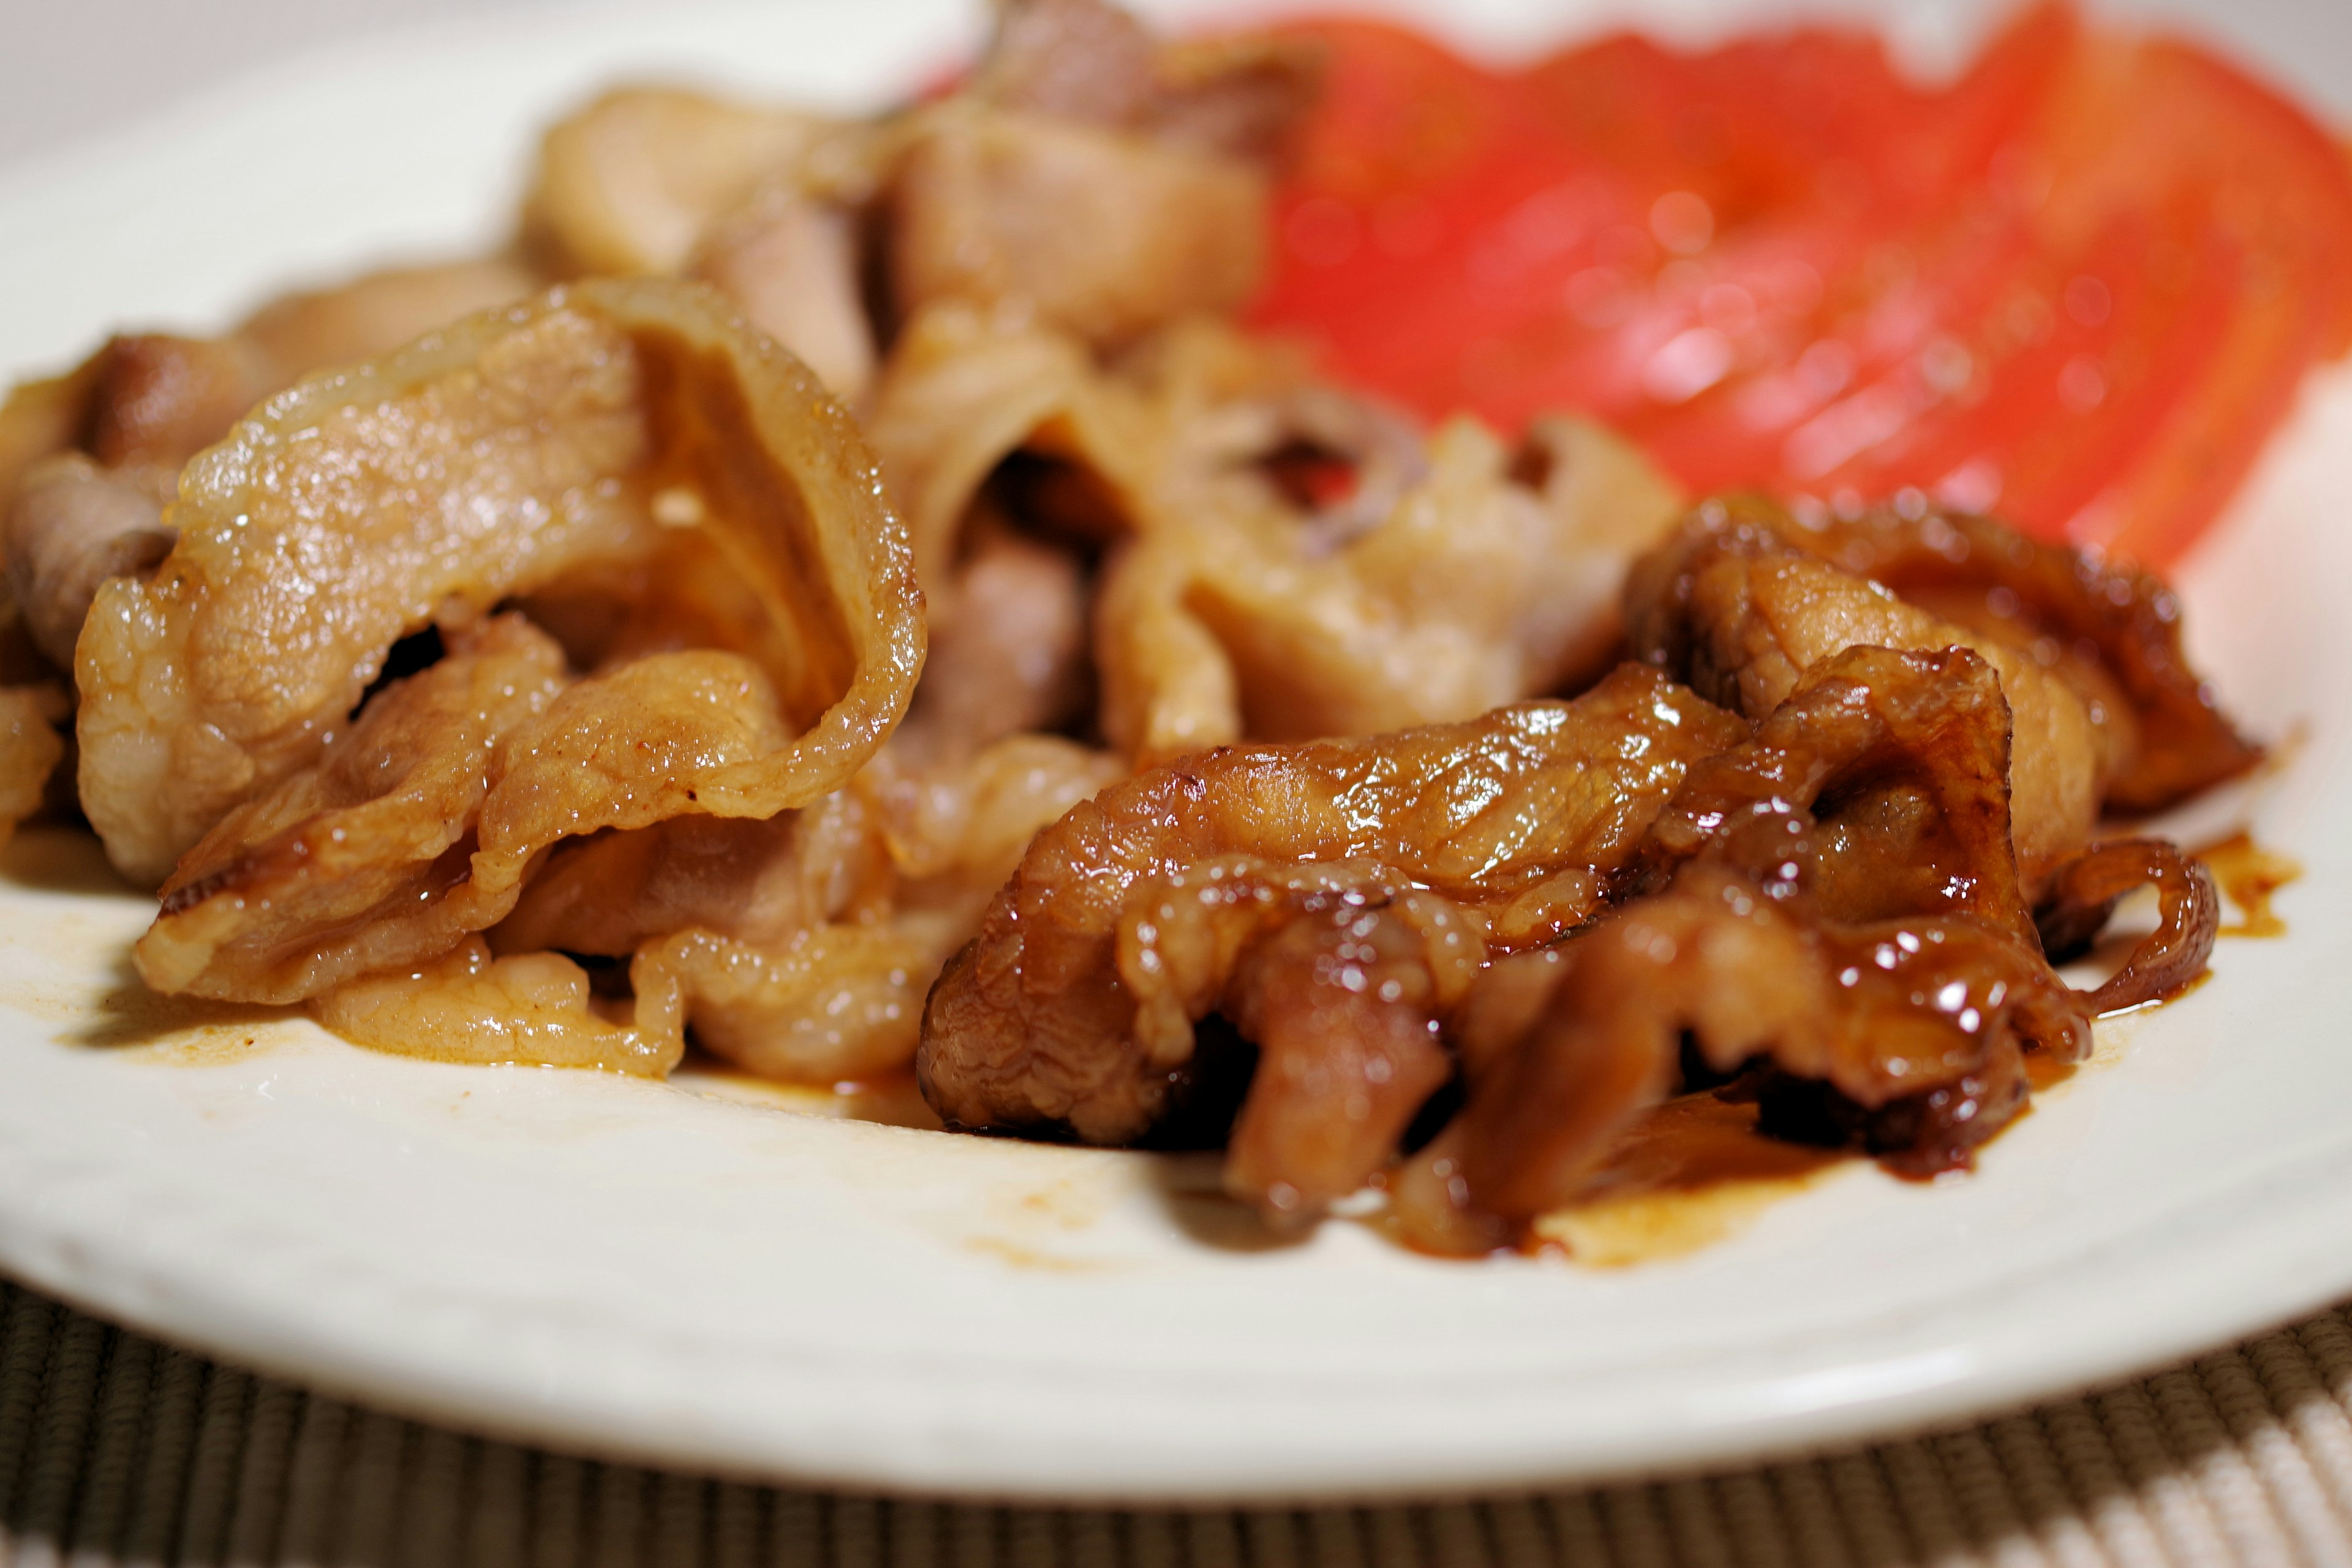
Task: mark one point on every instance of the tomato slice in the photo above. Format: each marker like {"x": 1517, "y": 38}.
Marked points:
{"x": 2078, "y": 285}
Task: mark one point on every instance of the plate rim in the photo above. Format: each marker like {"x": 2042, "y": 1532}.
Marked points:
{"x": 52, "y": 1263}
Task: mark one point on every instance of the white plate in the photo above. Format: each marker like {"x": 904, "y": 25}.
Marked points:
{"x": 645, "y": 1271}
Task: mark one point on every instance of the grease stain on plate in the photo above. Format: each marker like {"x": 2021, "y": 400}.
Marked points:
{"x": 2249, "y": 876}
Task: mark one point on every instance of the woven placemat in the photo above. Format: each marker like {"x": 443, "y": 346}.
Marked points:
{"x": 117, "y": 1451}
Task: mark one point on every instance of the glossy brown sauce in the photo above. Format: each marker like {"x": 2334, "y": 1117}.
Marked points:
{"x": 2045, "y": 1071}
{"x": 2248, "y": 876}
{"x": 1688, "y": 1174}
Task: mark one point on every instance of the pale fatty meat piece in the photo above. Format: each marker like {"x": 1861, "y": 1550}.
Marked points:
{"x": 498, "y": 455}
{"x": 154, "y": 400}
{"x": 764, "y": 204}
{"x": 492, "y": 764}
{"x": 630, "y": 182}
{"x": 803, "y": 946}
{"x": 1080, "y": 60}
{"x": 73, "y": 524}
{"x": 1089, "y": 175}
{"x": 30, "y": 748}
{"x": 966, "y": 389}
{"x": 89, "y": 461}
{"x": 757, "y": 880}
{"x": 1084, "y": 174}
{"x": 533, "y": 1009}
{"x": 832, "y": 1004}
{"x": 791, "y": 260}
{"x": 1526, "y": 813}
{"x": 377, "y": 312}
{"x": 1094, "y": 64}
{"x": 1105, "y": 233}
{"x": 356, "y": 510}
{"x": 348, "y": 866}
{"x": 1008, "y": 652}
{"x": 843, "y": 997}
{"x": 1468, "y": 591}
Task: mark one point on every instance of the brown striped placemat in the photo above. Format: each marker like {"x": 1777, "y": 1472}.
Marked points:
{"x": 115, "y": 1449}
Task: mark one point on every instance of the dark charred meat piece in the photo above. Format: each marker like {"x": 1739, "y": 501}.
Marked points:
{"x": 1342, "y": 975}
{"x": 1524, "y": 813}
{"x": 1838, "y": 895}
{"x": 1878, "y": 789}
{"x": 2086, "y": 891}
{"x": 1729, "y": 604}
{"x": 1916, "y": 1024}
{"x": 2105, "y": 622}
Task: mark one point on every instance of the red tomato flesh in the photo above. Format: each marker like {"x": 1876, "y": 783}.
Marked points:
{"x": 2077, "y": 285}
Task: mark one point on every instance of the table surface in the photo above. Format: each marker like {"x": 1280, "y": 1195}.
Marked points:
{"x": 115, "y": 1449}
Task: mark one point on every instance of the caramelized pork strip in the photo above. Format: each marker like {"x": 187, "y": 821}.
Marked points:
{"x": 1889, "y": 1014}
{"x": 2114, "y": 631}
{"x": 489, "y": 459}
{"x": 1838, "y": 894}
{"x": 2085, "y": 894}
{"x": 1878, "y": 788}
{"x": 1729, "y": 604}
{"x": 1524, "y": 812}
